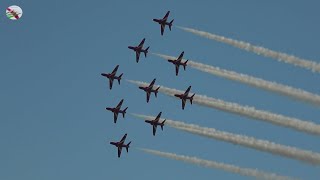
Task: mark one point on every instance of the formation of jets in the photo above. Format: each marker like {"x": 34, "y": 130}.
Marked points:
{"x": 148, "y": 89}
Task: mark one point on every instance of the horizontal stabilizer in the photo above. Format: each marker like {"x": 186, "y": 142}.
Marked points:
{"x": 127, "y": 147}
{"x": 185, "y": 64}
{"x": 191, "y": 98}
{"x": 124, "y": 112}
{"x": 162, "y": 124}
{"x": 170, "y": 24}
{"x": 146, "y": 51}
{"x": 156, "y": 91}
{"x": 120, "y": 78}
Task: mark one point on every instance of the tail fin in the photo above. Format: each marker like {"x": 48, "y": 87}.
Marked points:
{"x": 170, "y": 24}
{"x": 127, "y": 147}
{"x": 185, "y": 64}
{"x": 156, "y": 91}
{"x": 191, "y": 98}
{"x": 124, "y": 112}
{"x": 120, "y": 78}
{"x": 162, "y": 124}
{"x": 146, "y": 51}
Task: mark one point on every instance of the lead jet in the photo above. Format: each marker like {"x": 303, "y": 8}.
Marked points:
{"x": 112, "y": 76}
{"x": 178, "y": 62}
{"x": 149, "y": 89}
{"x": 117, "y": 110}
{"x": 155, "y": 123}
{"x": 163, "y": 22}
{"x": 121, "y": 144}
{"x": 138, "y": 49}
{"x": 185, "y": 96}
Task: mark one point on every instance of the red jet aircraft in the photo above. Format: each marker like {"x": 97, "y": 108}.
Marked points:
{"x": 185, "y": 96}
{"x": 149, "y": 89}
{"x": 117, "y": 110}
{"x": 138, "y": 49}
{"x": 112, "y": 76}
{"x": 163, "y": 22}
{"x": 178, "y": 63}
{"x": 155, "y": 123}
{"x": 121, "y": 144}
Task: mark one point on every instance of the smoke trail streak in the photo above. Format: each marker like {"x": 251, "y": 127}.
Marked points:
{"x": 253, "y": 81}
{"x": 307, "y": 64}
{"x": 250, "y": 142}
{"x": 217, "y": 165}
{"x": 251, "y": 112}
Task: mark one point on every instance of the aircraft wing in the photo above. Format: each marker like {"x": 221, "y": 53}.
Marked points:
{"x": 152, "y": 83}
{"x": 154, "y": 129}
{"x": 148, "y": 96}
{"x": 123, "y": 138}
{"x": 141, "y": 43}
{"x": 181, "y": 56}
{"x": 115, "y": 117}
{"x": 183, "y": 103}
{"x": 115, "y": 70}
{"x": 158, "y": 117}
{"x": 187, "y": 91}
{"x": 120, "y": 104}
{"x": 162, "y": 28}
{"x": 166, "y": 16}
{"x": 119, "y": 151}
{"x": 177, "y": 69}
{"x": 137, "y": 56}
{"x": 111, "y": 82}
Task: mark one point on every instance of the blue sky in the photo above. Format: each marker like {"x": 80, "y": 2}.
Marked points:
{"x": 53, "y": 123}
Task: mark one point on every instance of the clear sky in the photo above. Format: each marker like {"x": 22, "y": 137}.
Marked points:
{"x": 53, "y": 122}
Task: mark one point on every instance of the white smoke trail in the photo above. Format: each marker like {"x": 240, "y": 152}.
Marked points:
{"x": 253, "y": 81}
{"x": 261, "y": 145}
{"x": 251, "y": 112}
{"x": 217, "y": 165}
{"x": 308, "y": 64}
